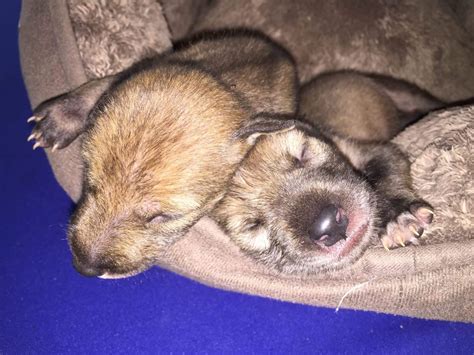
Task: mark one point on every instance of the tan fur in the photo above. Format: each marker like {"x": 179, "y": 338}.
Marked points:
{"x": 164, "y": 156}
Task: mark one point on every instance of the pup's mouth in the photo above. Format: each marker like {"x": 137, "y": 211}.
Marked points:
{"x": 111, "y": 276}
{"x": 103, "y": 272}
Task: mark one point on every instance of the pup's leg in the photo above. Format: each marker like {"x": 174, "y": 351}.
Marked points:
{"x": 402, "y": 215}
{"x": 367, "y": 108}
{"x": 62, "y": 119}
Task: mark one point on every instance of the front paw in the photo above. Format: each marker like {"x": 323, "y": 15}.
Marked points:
{"x": 58, "y": 122}
{"x": 407, "y": 225}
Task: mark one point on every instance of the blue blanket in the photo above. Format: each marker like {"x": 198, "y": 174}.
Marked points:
{"x": 46, "y": 307}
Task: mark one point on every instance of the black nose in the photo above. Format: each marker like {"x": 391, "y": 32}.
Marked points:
{"x": 330, "y": 225}
{"x": 87, "y": 270}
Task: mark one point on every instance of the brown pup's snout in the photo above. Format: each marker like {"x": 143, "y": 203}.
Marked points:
{"x": 86, "y": 268}
{"x": 330, "y": 225}
{"x": 106, "y": 265}
{"x": 109, "y": 251}
{"x": 83, "y": 261}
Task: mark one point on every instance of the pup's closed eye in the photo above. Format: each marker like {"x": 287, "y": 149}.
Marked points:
{"x": 253, "y": 224}
{"x": 302, "y": 157}
{"x": 161, "y": 217}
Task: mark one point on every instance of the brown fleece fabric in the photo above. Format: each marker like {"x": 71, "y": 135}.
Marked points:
{"x": 61, "y": 49}
{"x": 423, "y": 42}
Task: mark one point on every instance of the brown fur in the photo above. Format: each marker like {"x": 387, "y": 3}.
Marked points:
{"x": 339, "y": 100}
{"x": 160, "y": 145}
{"x": 288, "y": 179}
{"x": 366, "y": 108}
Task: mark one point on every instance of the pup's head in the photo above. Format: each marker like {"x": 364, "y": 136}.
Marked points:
{"x": 158, "y": 157}
{"x": 297, "y": 205}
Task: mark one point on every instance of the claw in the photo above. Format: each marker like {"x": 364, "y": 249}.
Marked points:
{"x": 413, "y": 230}
{"x": 428, "y": 210}
{"x": 400, "y": 241}
{"x": 426, "y": 215}
{"x": 385, "y": 245}
{"x": 37, "y": 144}
{"x": 32, "y": 136}
{"x": 55, "y": 147}
{"x": 35, "y": 118}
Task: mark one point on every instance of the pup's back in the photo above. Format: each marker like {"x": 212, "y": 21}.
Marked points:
{"x": 249, "y": 64}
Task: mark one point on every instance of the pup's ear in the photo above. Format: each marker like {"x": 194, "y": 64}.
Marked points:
{"x": 263, "y": 125}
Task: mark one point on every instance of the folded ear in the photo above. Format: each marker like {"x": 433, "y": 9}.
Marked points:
{"x": 263, "y": 125}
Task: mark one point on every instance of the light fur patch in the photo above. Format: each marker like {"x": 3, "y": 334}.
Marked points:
{"x": 258, "y": 240}
{"x": 295, "y": 141}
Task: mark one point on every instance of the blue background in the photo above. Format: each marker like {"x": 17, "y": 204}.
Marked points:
{"x": 46, "y": 307}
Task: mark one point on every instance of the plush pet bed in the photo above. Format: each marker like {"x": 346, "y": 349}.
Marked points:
{"x": 81, "y": 40}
